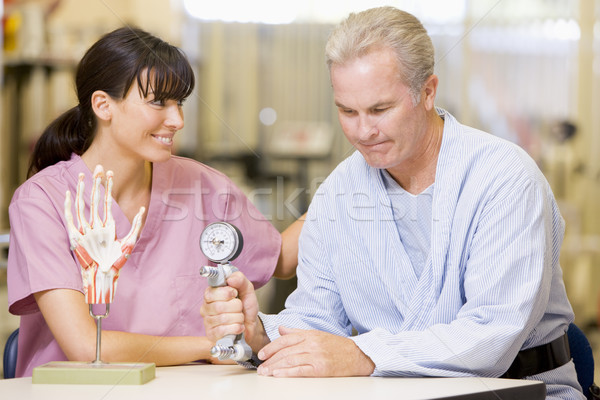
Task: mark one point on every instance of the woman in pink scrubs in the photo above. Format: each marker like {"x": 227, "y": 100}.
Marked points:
{"x": 130, "y": 86}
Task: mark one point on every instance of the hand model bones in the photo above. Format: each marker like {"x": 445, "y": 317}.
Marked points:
{"x": 100, "y": 254}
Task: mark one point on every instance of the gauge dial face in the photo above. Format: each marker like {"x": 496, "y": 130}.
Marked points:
{"x": 221, "y": 242}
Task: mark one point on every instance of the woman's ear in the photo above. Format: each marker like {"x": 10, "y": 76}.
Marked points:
{"x": 101, "y": 104}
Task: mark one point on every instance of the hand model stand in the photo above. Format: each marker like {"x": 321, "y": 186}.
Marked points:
{"x": 98, "y": 318}
{"x": 222, "y": 242}
{"x": 101, "y": 256}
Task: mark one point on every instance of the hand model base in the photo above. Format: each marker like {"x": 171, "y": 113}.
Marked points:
{"x": 89, "y": 373}
{"x": 96, "y": 372}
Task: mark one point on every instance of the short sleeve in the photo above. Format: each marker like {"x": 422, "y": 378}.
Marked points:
{"x": 39, "y": 255}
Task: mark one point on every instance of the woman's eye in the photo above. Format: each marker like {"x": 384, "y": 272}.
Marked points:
{"x": 164, "y": 103}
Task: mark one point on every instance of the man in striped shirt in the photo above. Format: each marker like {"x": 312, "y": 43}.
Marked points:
{"x": 436, "y": 243}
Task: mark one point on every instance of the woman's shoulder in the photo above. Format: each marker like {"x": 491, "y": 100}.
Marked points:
{"x": 55, "y": 178}
{"x": 187, "y": 167}
{"x": 184, "y": 174}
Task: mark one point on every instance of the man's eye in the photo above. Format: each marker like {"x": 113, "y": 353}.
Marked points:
{"x": 157, "y": 102}
{"x": 379, "y": 110}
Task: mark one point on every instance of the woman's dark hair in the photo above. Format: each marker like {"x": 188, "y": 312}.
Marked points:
{"x": 111, "y": 65}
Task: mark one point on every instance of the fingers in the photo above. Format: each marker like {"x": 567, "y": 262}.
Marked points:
{"x": 108, "y": 217}
{"x": 284, "y": 330}
{"x": 222, "y": 300}
{"x": 292, "y": 366}
{"x": 221, "y": 325}
{"x": 222, "y": 312}
{"x": 289, "y": 355}
{"x": 223, "y": 293}
{"x": 74, "y": 234}
{"x": 239, "y": 282}
{"x": 301, "y": 352}
{"x": 80, "y": 205}
{"x": 306, "y": 370}
{"x": 254, "y": 331}
{"x": 129, "y": 240}
{"x": 286, "y": 340}
{"x": 98, "y": 175}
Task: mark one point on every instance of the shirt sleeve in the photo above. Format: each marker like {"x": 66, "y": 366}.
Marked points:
{"x": 506, "y": 287}
{"x": 316, "y": 303}
{"x": 39, "y": 253}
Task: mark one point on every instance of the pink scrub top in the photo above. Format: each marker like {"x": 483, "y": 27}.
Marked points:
{"x": 160, "y": 290}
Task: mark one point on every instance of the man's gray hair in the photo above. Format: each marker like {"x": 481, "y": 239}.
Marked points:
{"x": 385, "y": 27}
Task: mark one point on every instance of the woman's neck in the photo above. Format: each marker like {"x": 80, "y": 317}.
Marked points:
{"x": 132, "y": 181}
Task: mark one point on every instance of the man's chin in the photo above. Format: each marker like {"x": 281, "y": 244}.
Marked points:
{"x": 375, "y": 161}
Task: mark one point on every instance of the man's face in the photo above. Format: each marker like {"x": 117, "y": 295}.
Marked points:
{"x": 376, "y": 110}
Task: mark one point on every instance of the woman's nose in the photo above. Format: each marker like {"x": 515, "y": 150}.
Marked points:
{"x": 174, "y": 117}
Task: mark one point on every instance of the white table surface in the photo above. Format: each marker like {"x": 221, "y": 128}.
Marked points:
{"x": 205, "y": 382}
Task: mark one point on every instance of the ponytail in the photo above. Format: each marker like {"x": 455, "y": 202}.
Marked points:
{"x": 67, "y": 134}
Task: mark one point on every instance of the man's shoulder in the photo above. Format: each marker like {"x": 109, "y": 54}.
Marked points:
{"x": 483, "y": 151}
{"x": 351, "y": 167}
{"x": 481, "y": 162}
{"x": 350, "y": 174}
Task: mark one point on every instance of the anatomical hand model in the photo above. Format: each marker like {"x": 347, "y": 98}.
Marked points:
{"x": 100, "y": 254}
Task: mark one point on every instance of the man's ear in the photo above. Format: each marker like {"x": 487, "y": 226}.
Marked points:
{"x": 101, "y": 104}
{"x": 429, "y": 91}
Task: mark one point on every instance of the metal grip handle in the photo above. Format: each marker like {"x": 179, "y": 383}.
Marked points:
{"x": 217, "y": 276}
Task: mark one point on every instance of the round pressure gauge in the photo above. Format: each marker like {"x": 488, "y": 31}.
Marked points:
{"x": 221, "y": 242}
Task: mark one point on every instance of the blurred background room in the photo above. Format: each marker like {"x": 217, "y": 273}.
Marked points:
{"x": 262, "y": 111}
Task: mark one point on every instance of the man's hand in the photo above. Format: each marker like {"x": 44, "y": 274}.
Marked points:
{"x": 301, "y": 352}
{"x": 100, "y": 254}
{"x": 233, "y": 309}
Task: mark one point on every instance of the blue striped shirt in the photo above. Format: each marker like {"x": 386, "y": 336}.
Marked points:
{"x": 492, "y": 283}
